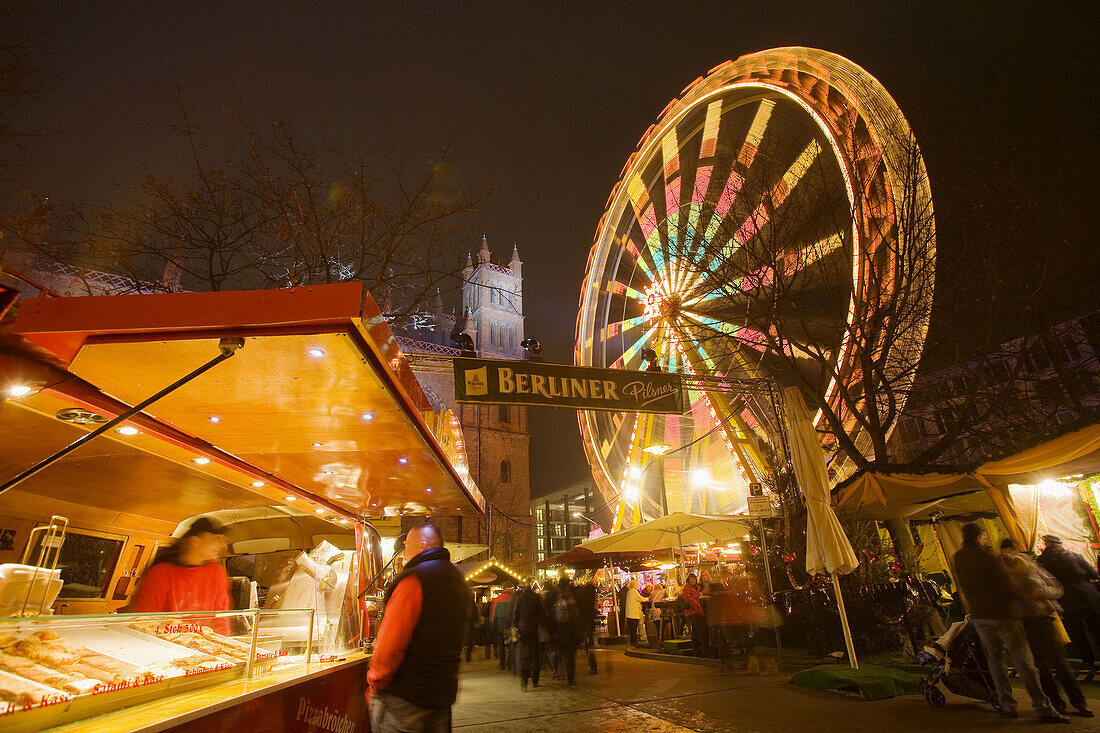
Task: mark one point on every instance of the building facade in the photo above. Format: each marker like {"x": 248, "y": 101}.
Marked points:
{"x": 565, "y": 518}
{"x": 497, "y": 437}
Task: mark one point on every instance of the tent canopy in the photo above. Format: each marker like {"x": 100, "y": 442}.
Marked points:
{"x": 911, "y": 492}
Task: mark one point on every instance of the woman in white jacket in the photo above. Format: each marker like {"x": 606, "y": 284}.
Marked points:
{"x": 633, "y": 611}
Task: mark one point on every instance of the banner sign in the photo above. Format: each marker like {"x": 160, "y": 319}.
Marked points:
{"x": 499, "y": 382}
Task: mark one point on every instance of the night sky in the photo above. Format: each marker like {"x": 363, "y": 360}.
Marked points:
{"x": 551, "y": 98}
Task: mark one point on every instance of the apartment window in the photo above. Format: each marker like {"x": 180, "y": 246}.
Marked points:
{"x": 539, "y": 515}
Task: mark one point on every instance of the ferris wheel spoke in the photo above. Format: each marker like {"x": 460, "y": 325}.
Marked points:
{"x": 632, "y": 354}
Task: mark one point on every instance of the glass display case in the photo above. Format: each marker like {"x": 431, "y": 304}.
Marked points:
{"x": 56, "y": 670}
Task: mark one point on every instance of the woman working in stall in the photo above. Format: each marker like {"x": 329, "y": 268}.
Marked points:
{"x": 186, "y": 576}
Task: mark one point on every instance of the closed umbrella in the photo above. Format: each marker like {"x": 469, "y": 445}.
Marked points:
{"x": 827, "y": 547}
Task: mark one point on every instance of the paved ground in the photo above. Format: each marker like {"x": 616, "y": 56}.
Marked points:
{"x": 642, "y": 695}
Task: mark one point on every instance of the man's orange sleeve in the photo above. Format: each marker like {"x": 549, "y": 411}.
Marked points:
{"x": 398, "y": 623}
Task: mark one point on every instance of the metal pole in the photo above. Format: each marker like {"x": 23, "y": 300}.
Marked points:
{"x": 844, "y": 622}
{"x": 228, "y": 347}
{"x": 771, "y": 588}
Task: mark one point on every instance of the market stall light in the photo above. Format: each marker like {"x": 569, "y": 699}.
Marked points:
{"x": 22, "y": 390}
{"x": 700, "y": 477}
{"x": 402, "y": 460}
{"x": 127, "y": 430}
{"x": 429, "y": 489}
{"x": 257, "y": 484}
{"x": 317, "y": 445}
{"x": 316, "y": 352}
{"x": 319, "y": 510}
{"x": 630, "y": 494}
{"x": 368, "y": 416}
{"x": 214, "y": 418}
{"x": 343, "y": 521}
{"x": 1056, "y": 488}
{"x": 201, "y": 460}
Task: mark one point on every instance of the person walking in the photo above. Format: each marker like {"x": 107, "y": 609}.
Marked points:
{"x": 633, "y": 602}
{"x": 413, "y": 675}
{"x": 567, "y": 624}
{"x": 1081, "y": 599}
{"x": 548, "y": 643}
{"x": 585, "y": 595}
{"x": 693, "y": 614}
{"x": 1038, "y": 591}
{"x": 500, "y": 611}
{"x": 988, "y": 591}
{"x": 527, "y": 616}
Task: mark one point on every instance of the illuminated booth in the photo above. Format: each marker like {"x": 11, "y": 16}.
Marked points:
{"x": 310, "y": 427}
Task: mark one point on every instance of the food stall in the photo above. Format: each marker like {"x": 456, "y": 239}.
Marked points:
{"x": 310, "y": 427}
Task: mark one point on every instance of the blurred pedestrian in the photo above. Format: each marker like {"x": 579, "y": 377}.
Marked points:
{"x": 567, "y": 627}
{"x": 548, "y": 631}
{"x": 527, "y": 616}
{"x": 585, "y": 595}
{"x": 988, "y": 591}
{"x": 1081, "y": 599}
{"x": 1037, "y": 592}
{"x": 653, "y": 631}
{"x": 693, "y": 614}
{"x": 500, "y": 611}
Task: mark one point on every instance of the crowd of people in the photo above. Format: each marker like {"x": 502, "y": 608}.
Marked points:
{"x": 721, "y": 614}
{"x": 1017, "y": 606}
{"x": 530, "y": 629}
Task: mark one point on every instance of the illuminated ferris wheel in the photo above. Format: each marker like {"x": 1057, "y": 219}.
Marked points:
{"x": 744, "y": 240}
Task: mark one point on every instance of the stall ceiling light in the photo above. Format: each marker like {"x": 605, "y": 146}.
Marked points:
{"x": 316, "y": 352}
{"x": 20, "y": 390}
{"x": 290, "y": 497}
{"x": 402, "y": 460}
{"x": 201, "y": 460}
{"x": 319, "y": 510}
{"x": 128, "y": 430}
{"x": 257, "y": 484}
{"x": 368, "y": 415}
{"x": 317, "y": 445}
{"x": 215, "y": 418}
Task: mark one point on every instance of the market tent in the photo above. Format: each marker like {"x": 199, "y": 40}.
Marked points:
{"x": 491, "y": 572}
{"x": 911, "y": 492}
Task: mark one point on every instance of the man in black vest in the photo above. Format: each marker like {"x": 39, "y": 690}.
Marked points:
{"x": 413, "y": 673}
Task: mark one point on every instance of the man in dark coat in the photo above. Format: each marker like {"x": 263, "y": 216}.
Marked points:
{"x": 413, "y": 674}
{"x": 527, "y": 616}
{"x": 567, "y": 619}
{"x": 585, "y": 596}
{"x": 1079, "y": 603}
{"x": 993, "y": 612}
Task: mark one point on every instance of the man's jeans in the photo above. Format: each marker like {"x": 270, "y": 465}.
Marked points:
{"x": 999, "y": 635}
{"x": 391, "y": 714}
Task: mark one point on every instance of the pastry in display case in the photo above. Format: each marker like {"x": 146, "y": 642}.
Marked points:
{"x": 61, "y": 669}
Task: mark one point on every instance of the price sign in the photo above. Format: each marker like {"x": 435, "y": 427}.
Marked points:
{"x": 760, "y": 507}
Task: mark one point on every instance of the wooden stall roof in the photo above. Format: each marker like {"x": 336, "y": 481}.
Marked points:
{"x": 319, "y": 404}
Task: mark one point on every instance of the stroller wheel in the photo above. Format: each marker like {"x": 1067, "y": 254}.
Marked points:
{"x": 934, "y": 697}
{"x": 994, "y": 702}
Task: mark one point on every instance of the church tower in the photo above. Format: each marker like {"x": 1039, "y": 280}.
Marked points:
{"x": 492, "y": 299}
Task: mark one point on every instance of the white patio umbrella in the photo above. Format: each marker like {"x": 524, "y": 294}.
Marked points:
{"x": 673, "y": 530}
{"x": 827, "y": 547}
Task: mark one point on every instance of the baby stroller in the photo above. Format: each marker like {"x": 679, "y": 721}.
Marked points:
{"x": 957, "y": 660}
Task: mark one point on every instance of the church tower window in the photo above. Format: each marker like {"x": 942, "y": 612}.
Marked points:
{"x": 505, "y": 472}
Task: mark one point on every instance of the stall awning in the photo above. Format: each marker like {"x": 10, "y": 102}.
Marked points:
{"x": 319, "y": 404}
